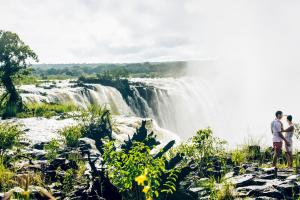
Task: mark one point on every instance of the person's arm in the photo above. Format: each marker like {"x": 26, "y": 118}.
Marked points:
{"x": 289, "y": 129}
{"x": 279, "y": 128}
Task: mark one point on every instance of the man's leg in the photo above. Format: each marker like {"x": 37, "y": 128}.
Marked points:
{"x": 277, "y": 150}
{"x": 275, "y": 157}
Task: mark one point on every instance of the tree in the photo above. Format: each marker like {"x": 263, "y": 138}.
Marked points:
{"x": 14, "y": 60}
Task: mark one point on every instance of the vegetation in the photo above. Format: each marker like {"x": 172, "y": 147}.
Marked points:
{"x": 71, "y": 135}
{"x": 146, "y": 69}
{"x": 205, "y": 150}
{"x": 136, "y": 172}
{"x": 51, "y": 149}
{"x": 239, "y": 156}
{"x": 136, "y": 168}
{"x": 47, "y": 110}
{"x": 10, "y": 135}
{"x": 14, "y": 57}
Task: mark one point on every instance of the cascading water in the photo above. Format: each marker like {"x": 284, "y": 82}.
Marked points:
{"x": 64, "y": 92}
{"x": 182, "y": 105}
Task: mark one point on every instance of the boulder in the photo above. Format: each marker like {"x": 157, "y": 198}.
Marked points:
{"x": 288, "y": 189}
{"x": 242, "y": 180}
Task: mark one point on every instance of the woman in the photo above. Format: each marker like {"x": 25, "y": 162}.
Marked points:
{"x": 289, "y": 137}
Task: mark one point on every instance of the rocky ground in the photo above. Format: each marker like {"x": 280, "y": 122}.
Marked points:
{"x": 255, "y": 183}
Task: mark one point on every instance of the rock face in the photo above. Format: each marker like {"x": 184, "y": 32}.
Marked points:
{"x": 265, "y": 183}
{"x": 254, "y": 183}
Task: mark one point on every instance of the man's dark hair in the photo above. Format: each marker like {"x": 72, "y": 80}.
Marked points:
{"x": 278, "y": 113}
{"x": 289, "y": 117}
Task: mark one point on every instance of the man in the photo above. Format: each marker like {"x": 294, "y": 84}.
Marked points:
{"x": 277, "y": 129}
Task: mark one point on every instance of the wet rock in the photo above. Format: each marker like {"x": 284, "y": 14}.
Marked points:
{"x": 267, "y": 192}
{"x": 288, "y": 188}
{"x": 88, "y": 145}
{"x": 267, "y": 176}
{"x": 39, "y": 146}
{"x": 236, "y": 170}
{"x": 283, "y": 175}
{"x": 258, "y": 181}
{"x": 57, "y": 162}
{"x": 293, "y": 177}
{"x": 270, "y": 170}
{"x": 198, "y": 191}
{"x": 38, "y": 154}
{"x": 258, "y": 191}
{"x": 229, "y": 175}
{"x": 51, "y": 175}
{"x": 242, "y": 180}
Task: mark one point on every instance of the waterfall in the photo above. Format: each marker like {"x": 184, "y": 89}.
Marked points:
{"x": 65, "y": 91}
{"x": 182, "y": 105}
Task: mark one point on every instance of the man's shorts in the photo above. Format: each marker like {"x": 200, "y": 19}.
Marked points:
{"x": 277, "y": 146}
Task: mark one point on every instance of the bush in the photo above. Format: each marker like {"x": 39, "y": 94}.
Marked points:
{"x": 71, "y": 135}
{"x": 6, "y": 177}
{"x": 10, "y": 135}
{"x": 51, "y": 149}
{"x": 239, "y": 156}
{"x": 205, "y": 150}
{"x": 137, "y": 171}
{"x": 46, "y": 110}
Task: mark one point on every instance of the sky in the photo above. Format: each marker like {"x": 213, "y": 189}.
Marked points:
{"x": 78, "y": 31}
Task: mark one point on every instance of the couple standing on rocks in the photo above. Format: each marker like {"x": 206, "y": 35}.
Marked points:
{"x": 278, "y": 137}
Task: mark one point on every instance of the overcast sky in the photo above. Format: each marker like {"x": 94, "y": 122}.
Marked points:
{"x": 63, "y": 31}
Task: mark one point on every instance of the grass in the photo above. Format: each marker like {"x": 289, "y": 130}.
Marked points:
{"x": 46, "y": 110}
{"x": 239, "y": 156}
{"x": 10, "y": 135}
{"x": 71, "y": 135}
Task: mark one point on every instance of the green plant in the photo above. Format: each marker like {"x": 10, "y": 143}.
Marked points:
{"x": 46, "y": 110}
{"x": 226, "y": 192}
{"x": 96, "y": 124}
{"x": 68, "y": 181}
{"x": 6, "y": 177}
{"x": 137, "y": 167}
{"x": 10, "y": 135}
{"x": 51, "y": 149}
{"x": 71, "y": 135}
{"x": 238, "y": 156}
{"x": 205, "y": 150}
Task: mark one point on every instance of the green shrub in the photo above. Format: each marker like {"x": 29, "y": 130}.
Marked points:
{"x": 68, "y": 182}
{"x": 226, "y": 192}
{"x": 71, "y": 135}
{"x": 51, "y": 149}
{"x": 46, "y": 110}
{"x": 137, "y": 171}
{"x": 239, "y": 156}
{"x": 10, "y": 135}
{"x": 6, "y": 177}
{"x": 204, "y": 149}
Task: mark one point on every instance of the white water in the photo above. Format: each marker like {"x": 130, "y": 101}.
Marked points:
{"x": 63, "y": 92}
{"x": 180, "y": 105}
{"x": 183, "y": 105}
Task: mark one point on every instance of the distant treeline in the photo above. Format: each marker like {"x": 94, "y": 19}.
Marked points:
{"x": 146, "y": 69}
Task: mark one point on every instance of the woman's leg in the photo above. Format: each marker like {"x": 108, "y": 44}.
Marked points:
{"x": 289, "y": 158}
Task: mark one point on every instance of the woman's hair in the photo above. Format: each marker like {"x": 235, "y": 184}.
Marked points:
{"x": 289, "y": 117}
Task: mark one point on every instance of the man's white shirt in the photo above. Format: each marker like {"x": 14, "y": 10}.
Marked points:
{"x": 276, "y": 129}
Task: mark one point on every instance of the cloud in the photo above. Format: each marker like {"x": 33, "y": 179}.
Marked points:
{"x": 134, "y": 30}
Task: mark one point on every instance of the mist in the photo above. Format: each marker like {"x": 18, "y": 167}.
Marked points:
{"x": 252, "y": 48}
